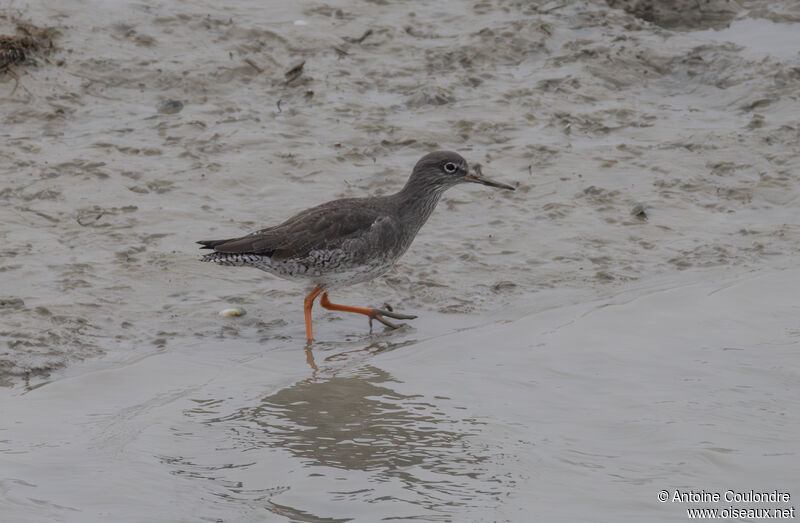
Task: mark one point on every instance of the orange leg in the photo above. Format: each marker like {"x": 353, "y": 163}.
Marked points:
{"x": 307, "y": 304}
{"x": 344, "y": 308}
{"x": 377, "y": 314}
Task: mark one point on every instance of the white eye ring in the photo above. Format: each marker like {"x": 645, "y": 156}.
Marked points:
{"x": 450, "y": 168}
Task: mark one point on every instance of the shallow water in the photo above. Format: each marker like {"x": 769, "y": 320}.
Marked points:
{"x": 563, "y": 413}
{"x": 570, "y": 359}
{"x": 760, "y": 37}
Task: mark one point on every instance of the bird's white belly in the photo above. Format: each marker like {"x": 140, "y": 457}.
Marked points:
{"x": 350, "y": 276}
{"x": 329, "y": 275}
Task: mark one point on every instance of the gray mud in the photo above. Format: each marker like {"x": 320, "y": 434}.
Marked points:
{"x": 589, "y": 109}
{"x": 152, "y": 125}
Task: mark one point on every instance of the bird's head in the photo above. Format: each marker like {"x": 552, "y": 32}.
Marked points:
{"x": 446, "y": 169}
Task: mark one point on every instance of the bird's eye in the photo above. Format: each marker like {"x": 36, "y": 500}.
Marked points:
{"x": 450, "y": 168}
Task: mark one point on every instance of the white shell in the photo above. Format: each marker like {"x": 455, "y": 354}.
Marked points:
{"x": 235, "y": 311}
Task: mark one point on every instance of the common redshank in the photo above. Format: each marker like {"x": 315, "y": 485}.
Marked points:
{"x": 349, "y": 241}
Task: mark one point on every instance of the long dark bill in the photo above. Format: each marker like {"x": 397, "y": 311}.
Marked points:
{"x": 479, "y": 178}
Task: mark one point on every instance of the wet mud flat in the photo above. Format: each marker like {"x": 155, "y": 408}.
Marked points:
{"x": 654, "y": 146}
{"x": 192, "y": 124}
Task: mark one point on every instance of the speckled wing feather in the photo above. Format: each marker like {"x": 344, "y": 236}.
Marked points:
{"x": 325, "y": 227}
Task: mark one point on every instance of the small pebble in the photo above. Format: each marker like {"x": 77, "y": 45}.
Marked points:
{"x": 235, "y": 311}
{"x": 170, "y": 106}
{"x": 294, "y": 71}
{"x": 639, "y": 212}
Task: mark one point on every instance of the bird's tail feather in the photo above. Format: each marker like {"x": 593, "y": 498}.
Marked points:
{"x": 210, "y": 244}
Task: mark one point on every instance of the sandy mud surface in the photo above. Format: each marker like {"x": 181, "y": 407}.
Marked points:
{"x": 655, "y": 147}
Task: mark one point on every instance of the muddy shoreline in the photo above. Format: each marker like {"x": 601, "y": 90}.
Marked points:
{"x": 591, "y": 110}
{"x": 655, "y": 147}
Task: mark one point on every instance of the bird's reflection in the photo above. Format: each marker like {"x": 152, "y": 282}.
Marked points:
{"x": 354, "y": 419}
{"x": 349, "y": 421}
{"x": 354, "y": 422}
{"x": 373, "y": 348}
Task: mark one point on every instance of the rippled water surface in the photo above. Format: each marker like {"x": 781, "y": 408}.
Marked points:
{"x": 614, "y": 400}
